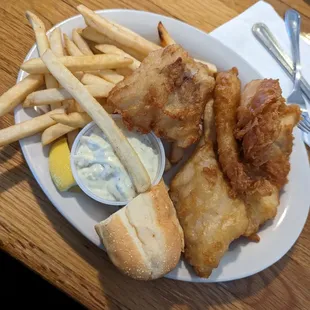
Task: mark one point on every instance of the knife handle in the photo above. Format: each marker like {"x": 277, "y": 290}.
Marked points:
{"x": 267, "y": 39}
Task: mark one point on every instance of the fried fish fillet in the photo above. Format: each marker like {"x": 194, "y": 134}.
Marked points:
{"x": 227, "y": 98}
{"x": 260, "y": 195}
{"x": 265, "y": 125}
{"x": 166, "y": 94}
{"x": 211, "y": 219}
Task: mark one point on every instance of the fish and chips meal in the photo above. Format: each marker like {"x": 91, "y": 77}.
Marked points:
{"x": 230, "y": 185}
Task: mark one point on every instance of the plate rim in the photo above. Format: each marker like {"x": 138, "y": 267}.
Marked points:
{"x": 44, "y": 189}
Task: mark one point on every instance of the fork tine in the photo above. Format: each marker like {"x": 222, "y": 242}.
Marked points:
{"x": 306, "y": 118}
{"x": 303, "y": 127}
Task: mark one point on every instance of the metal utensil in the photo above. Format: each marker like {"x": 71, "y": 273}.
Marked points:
{"x": 292, "y": 23}
{"x": 266, "y": 38}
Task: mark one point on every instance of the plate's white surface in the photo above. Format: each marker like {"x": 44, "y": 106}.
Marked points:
{"x": 243, "y": 258}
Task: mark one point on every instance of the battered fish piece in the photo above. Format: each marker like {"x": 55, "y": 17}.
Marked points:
{"x": 227, "y": 98}
{"x": 259, "y": 210}
{"x": 211, "y": 219}
{"x": 265, "y": 126}
{"x": 259, "y": 194}
{"x": 166, "y": 94}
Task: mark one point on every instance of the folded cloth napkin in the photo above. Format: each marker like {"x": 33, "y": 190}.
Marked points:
{"x": 237, "y": 34}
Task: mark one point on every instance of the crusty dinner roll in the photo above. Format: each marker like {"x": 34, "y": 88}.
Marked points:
{"x": 144, "y": 239}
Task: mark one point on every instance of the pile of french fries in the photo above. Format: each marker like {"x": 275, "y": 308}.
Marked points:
{"x": 67, "y": 77}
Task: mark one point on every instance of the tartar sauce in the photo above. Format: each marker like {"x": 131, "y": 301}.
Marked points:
{"x": 101, "y": 171}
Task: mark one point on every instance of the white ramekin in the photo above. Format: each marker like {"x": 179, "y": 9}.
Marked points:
{"x": 86, "y": 131}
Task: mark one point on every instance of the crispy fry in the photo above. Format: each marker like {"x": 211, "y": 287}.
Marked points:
{"x": 93, "y": 35}
{"x": 77, "y": 107}
{"x": 54, "y": 132}
{"x": 74, "y": 119}
{"x": 48, "y": 96}
{"x": 79, "y": 63}
{"x": 58, "y": 49}
{"x": 164, "y": 36}
{"x": 72, "y": 134}
{"x": 90, "y": 79}
{"x": 15, "y": 95}
{"x": 176, "y": 153}
{"x": 81, "y": 43}
{"x": 42, "y": 45}
{"x": 120, "y": 144}
{"x": 39, "y": 31}
{"x": 56, "y": 43}
{"x": 116, "y": 32}
{"x": 111, "y": 49}
{"x": 71, "y": 47}
{"x": 27, "y": 128}
{"x": 111, "y": 76}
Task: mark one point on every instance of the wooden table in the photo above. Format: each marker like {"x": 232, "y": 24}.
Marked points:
{"x": 34, "y": 232}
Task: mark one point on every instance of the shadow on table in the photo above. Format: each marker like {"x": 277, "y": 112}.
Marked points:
{"x": 121, "y": 292}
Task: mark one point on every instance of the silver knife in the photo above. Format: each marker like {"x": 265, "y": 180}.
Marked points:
{"x": 267, "y": 39}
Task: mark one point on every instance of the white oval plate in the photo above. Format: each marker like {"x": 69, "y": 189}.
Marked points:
{"x": 243, "y": 258}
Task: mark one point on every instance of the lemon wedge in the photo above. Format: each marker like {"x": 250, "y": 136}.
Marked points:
{"x": 59, "y": 165}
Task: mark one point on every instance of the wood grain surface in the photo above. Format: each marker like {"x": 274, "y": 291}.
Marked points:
{"x": 34, "y": 232}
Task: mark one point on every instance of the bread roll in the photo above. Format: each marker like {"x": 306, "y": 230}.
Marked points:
{"x": 144, "y": 239}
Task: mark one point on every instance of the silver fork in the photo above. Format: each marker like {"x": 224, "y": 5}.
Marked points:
{"x": 292, "y": 22}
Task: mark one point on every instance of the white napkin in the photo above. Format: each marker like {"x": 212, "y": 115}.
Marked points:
{"x": 237, "y": 34}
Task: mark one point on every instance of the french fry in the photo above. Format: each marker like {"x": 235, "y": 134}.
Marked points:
{"x": 92, "y": 46}
{"x": 71, "y": 47}
{"x": 56, "y": 43}
{"x": 92, "y": 34}
{"x": 111, "y": 76}
{"x": 116, "y": 32}
{"x": 74, "y": 119}
{"x": 120, "y": 144}
{"x": 15, "y": 95}
{"x": 27, "y": 128}
{"x": 72, "y": 134}
{"x": 90, "y": 79}
{"x": 176, "y": 153}
{"x": 79, "y": 63}
{"x": 168, "y": 165}
{"x": 73, "y": 50}
{"x": 164, "y": 36}
{"x": 39, "y": 31}
{"x": 54, "y": 132}
{"x": 77, "y": 107}
{"x": 46, "y": 96}
{"x": 42, "y": 44}
{"x": 58, "y": 49}
{"x": 81, "y": 43}
{"x": 112, "y": 49}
